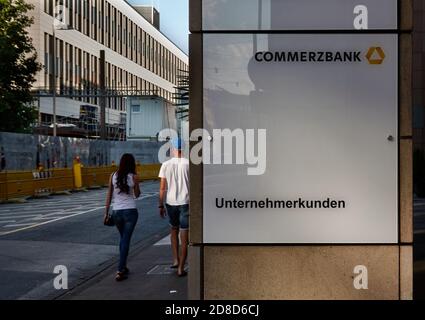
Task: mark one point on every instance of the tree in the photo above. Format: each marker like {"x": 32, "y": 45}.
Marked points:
{"x": 18, "y": 67}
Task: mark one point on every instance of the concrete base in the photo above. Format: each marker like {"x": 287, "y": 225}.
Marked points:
{"x": 195, "y": 274}
{"x": 303, "y": 272}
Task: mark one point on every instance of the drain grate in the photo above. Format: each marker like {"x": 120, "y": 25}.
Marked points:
{"x": 162, "y": 269}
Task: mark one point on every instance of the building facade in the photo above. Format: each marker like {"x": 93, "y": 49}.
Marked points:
{"x": 140, "y": 61}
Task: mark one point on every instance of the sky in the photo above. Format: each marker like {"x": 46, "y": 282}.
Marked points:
{"x": 174, "y": 19}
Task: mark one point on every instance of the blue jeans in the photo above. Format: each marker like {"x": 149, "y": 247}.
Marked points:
{"x": 125, "y": 220}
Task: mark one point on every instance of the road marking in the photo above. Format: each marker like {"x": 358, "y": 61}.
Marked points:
{"x": 7, "y": 221}
{"x": 147, "y": 196}
{"x": 61, "y": 212}
{"x": 79, "y": 202}
{"x": 26, "y": 211}
{"x": 163, "y": 242}
{"x": 18, "y": 225}
{"x": 20, "y": 216}
{"x": 43, "y": 218}
{"x": 23, "y": 212}
{"x": 7, "y": 217}
{"x": 47, "y": 222}
{"x": 64, "y": 213}
{"x": 63, "y": 207}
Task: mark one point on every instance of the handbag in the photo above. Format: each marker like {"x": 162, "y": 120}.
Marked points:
{"x": 109, "y": 220}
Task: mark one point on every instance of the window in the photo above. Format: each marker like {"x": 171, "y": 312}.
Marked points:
{"x": 48, "y": 7}
{"x": 71, "y": 13}
{"x": 135, "y": 108}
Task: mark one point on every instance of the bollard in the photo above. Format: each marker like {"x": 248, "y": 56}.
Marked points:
{"x": 78, "y": 180}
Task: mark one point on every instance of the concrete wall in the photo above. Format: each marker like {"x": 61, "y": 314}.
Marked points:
{"x": 24, "y": 151}
{"x": 303, "y": 271}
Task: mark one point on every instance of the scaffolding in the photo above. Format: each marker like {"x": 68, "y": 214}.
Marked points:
{"x": 87, "y": 123}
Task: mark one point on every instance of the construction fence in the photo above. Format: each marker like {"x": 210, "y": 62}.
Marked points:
{"x": 22, "y": 184}
{"x": 25, "y": 151}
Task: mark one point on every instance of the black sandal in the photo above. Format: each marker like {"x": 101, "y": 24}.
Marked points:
{"x": 183, "y": 274}
{"x": 120, "y": 276}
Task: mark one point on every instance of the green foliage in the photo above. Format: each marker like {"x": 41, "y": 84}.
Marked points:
{"x": 18, "y": 67}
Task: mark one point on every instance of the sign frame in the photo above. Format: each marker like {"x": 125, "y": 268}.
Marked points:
{"x": 397, "y": 31}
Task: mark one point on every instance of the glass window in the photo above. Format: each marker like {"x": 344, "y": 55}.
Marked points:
{"x": 135, "y": 108}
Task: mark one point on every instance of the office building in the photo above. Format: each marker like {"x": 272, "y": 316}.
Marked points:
{"x": 140, "y": 61}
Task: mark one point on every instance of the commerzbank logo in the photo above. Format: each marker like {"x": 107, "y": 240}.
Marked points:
{"x": 373, "y": 55}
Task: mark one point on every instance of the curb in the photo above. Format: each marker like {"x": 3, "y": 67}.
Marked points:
{"x": 16, "y": 200}
{"x": 43, "y": 195}
{"x": 61, "y": 193}
{"x": 94, "y": 187}
{"x": 79, "y": 190}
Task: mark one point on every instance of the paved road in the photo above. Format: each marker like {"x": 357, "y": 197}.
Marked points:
{"x": 419, "y": 249}
{"x": 65, "y": 230}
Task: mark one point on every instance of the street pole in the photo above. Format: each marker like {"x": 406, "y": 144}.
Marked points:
{"x": 54, "y": 77}
{"x": 102, "y": 100}
{"x": 54, "y": 82}
{"x": 38, "y": 108}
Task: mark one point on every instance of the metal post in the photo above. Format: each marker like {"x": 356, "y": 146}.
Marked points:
{"x": 102, "y": 100}
{"x": 54, "y": 82}
{"x": 38, "y": 108}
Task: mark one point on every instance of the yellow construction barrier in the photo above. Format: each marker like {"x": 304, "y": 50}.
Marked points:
{"x": 54, "y": 180}
{"x": 17, "y": 184}
{"x": 20, "y": 184}
{"x": 147, "y": 171}
{"x": 97, "y": 176}
{"x": 3, "y": 185}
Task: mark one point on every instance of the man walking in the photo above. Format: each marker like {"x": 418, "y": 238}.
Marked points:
{"x": 174, "y": 175}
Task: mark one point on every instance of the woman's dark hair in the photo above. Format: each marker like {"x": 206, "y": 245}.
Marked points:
{"x": 127, "y": 165}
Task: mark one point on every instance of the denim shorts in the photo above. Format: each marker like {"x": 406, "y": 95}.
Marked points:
{"x": 178, "y": 216}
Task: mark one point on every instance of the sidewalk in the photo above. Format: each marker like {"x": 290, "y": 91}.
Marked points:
{"x": 151, "y": 278}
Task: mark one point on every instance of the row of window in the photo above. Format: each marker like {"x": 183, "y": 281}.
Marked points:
{"x": 102, "y": 22}
{"x": 77, "y": 70}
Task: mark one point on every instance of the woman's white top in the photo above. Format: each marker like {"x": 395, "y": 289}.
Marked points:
{"x": 122, "y": 200}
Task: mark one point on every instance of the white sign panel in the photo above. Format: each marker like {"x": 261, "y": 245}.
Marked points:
{"x": 327, "y": 171}
{"x": 298, "y": 14}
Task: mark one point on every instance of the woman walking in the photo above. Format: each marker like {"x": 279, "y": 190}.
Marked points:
{"x": 123, "y": 191}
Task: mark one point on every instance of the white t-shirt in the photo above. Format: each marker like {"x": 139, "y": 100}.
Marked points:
{"x": 176, "y": 172}
{"x": 122, "y": 200}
